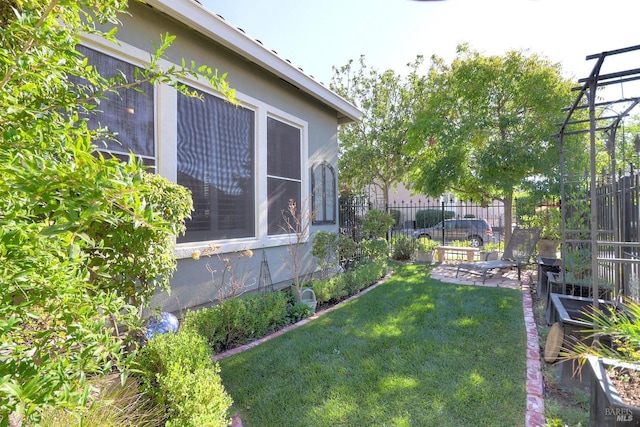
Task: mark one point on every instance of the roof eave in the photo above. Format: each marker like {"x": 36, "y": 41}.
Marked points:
{"x": 217, "y": 29}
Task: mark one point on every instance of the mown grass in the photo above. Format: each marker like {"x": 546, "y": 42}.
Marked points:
{"x": 412, "y": 352}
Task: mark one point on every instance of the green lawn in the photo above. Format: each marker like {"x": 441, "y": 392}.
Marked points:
{"x": 412, "y": 352}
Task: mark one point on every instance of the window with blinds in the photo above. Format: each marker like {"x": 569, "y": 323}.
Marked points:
{"x": 128, "y": 114}
{"x": 284, "y": 175}
{"x": 215, "y": 160}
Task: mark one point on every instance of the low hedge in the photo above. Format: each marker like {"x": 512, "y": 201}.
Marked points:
{"x": 430, "y": 217}
{"x": 235, "y": 321}
{"x": 177, "y": 372}
{"x": 403, "y": 247}
{"x": 338, "y": 287}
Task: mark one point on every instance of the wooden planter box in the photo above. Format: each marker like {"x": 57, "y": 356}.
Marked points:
{"x": 546, "y": 265}
{"x": 566, "y": 311}
{"x": 607, "y": 408}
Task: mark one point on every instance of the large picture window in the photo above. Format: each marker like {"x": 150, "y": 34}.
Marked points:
{"x": 284, "y": 175}
{"x": 129, "y": 114}
{"x": 215, "y": 160}
{"x": 323, "y": 193}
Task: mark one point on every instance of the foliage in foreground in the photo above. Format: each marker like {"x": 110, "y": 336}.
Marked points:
{"x": 402, "y": 247}
{"x": 82, "y": 238}
{"x": 620, "y": 329}
{"x": 116, "y": 404}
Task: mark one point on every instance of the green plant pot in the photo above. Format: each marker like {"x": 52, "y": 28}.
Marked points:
{"x": 308, "y": 297}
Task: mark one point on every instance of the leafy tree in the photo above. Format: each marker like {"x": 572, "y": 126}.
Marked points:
{"x": 371, "y": 150}
{"x": 81, "y": 236}
{"x": 487, "y": 125}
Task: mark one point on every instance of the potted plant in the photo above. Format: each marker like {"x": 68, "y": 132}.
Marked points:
{"x": 424, "y": 249}
{"x": 491, "y": 251}
{"x": 613, "y": 359}
{"x": 577, "y": 265}
{"x": 549, "y": 220}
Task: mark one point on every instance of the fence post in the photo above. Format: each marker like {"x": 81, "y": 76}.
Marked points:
{"x": 442, "y": 237}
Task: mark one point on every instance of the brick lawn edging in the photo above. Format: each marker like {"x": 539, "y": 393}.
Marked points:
{"x": 535, "y": 388}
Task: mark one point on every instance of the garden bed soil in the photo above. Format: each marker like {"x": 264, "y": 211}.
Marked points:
{"x": 628, "y": 385}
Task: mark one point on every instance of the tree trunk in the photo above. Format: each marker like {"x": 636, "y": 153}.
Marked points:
{"x": 385, "y": 190}
{"x": 508, "y": 216}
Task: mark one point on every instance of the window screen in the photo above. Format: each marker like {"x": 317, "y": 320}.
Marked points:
{"x": 216, "y": 162}
{"x": 284, "y": 183}
{"x": 128, "y": 113}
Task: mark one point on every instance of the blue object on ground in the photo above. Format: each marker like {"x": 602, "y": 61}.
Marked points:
{"x": 162, "y": 324}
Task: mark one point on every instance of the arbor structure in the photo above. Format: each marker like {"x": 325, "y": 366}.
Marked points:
{"x": 486, "y": 125}
{"x": 371, "y": 150}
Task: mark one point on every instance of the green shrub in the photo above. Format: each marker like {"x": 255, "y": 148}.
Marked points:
{"x": 375, "y": 249}
{"x": 402, "y": 247}
{"x": 325, "y": 249}
{"x": 207, "y": 322}
{"x": 426, "y": 245}
{"x": 236, "y": 320}
{"x": 296, "y": 311}
{"x": 430, "y": 217}
{"x": 395, "y": 214}
{"x": 81, "y": 237}
{"x": 346, "y": 247}
{"x": 329, "y": 289}
{"x": 376, "y": 223}
{"x": 274, "y": 309}
{"x": 178, "y": 373}
{"x": 350, "y": 282}
{"x": 322, "y": 289}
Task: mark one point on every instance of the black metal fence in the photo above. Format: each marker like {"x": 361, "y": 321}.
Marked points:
{"x": 618, "y": 232}
{"x": 410, "y": 216}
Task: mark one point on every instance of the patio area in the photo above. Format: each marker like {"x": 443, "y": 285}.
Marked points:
{"x": 446, "y": 272}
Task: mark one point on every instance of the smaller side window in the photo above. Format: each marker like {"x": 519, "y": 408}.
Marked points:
{"x": 323, "y": 193}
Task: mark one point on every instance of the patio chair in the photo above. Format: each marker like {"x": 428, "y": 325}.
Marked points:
{"x": 518, "y": 252}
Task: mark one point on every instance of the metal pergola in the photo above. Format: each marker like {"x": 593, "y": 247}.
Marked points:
{"x": 593, "y": 97}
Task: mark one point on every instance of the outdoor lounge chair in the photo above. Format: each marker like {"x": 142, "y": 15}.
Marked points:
{"x": 518, "y": 252}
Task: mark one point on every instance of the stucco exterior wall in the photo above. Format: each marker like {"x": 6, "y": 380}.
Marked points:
{"x": 192, "y": 285}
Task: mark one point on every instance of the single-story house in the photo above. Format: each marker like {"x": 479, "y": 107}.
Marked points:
{"x": 243, "y": 164}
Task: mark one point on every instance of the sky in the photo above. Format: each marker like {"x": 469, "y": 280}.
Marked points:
{"x": 316, "y": 36}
